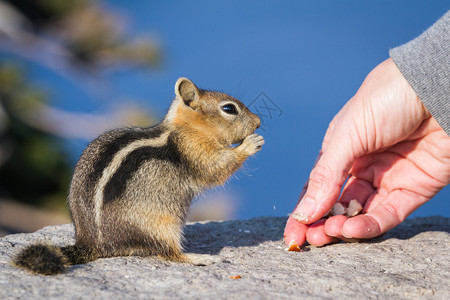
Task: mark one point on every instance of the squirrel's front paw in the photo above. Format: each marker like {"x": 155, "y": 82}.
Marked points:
{"x": 252, "y": 144}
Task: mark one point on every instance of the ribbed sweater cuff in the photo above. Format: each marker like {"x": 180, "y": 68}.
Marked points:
{"x": 425, "y": 63}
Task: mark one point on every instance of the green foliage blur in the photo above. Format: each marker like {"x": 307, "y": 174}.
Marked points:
{"x": 34, "y": 167}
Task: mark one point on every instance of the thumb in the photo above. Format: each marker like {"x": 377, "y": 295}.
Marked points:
{"x": 328, "y": 175}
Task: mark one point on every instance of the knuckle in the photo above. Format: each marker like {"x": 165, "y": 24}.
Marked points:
{"x": 394, "y": 213}
{"x": 320, "y": 175}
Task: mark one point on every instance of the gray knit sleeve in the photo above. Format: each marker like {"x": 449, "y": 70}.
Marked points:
{"x": 425, "y": 63}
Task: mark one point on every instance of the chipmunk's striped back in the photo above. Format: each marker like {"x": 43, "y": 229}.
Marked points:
{"x": 132, "y": 187}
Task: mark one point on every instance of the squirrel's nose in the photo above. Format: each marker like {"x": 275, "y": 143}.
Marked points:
{"x": 258, "y": 123}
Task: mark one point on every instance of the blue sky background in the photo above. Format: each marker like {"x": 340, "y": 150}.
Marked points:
{"x": 308, "y": 57}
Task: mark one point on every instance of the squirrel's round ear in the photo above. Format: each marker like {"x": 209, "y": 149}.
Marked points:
{"x": 186, "y": 91}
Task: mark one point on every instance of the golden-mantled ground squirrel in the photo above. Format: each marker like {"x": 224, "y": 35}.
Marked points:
{"x": 132, "y": 187}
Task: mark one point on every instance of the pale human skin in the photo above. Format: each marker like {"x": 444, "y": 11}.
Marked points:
{"x": 396, "y": 155}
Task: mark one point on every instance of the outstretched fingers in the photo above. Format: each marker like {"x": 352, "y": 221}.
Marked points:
{"x": 317, "y": 236}
{"x": 384, "y": 213}
{"x": 295, "y": 232}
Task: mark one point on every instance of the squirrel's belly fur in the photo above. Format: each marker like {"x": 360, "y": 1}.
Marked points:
{"x": 132, "y": 187}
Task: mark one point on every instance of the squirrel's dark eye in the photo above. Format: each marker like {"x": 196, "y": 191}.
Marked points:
{"x": 230, "y": 109}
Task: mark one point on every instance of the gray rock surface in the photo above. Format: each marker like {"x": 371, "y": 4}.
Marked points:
{"x": 411, "y": 261}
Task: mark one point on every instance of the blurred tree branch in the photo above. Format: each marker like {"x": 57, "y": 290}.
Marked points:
{"x": 66, "y": 37}
{"x": 82, "y": 32}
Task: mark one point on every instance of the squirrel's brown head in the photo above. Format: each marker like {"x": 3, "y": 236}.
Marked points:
{"x": 213, "y": 113}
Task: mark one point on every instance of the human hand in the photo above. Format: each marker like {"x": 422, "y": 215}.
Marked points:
{"x": 394, "y": 153}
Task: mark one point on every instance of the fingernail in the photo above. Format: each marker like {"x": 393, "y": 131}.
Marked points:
{"x": 345, "y": 236}
{"x": 305, "y": 209}
{"x": 332, "y": 235}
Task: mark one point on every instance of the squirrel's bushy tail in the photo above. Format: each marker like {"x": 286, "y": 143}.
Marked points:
{"x": 52, "y": 260}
